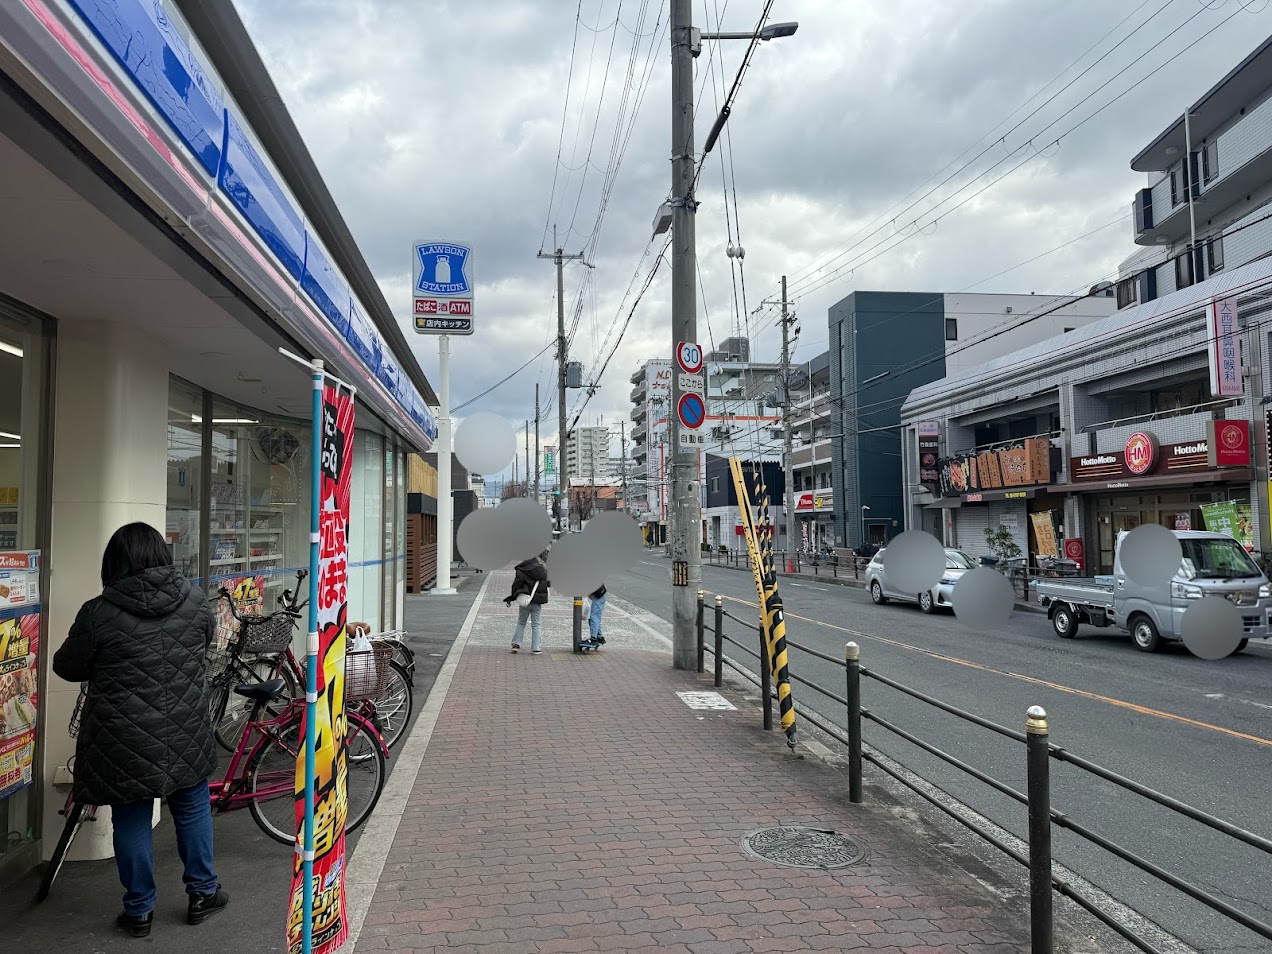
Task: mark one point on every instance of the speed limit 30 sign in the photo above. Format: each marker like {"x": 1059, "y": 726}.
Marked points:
{"x": 689, "y": 357}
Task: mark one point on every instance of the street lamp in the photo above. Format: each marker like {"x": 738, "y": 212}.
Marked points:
{"x": 770, "y": 32}
{"x": 686, "y": 505}
{"x": 864, "y": 508}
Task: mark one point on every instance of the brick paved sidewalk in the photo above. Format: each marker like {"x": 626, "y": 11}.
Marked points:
{"x": 576, "y": 803}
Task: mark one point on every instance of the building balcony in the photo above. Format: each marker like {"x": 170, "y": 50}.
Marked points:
{"x": 1233, "y": 165}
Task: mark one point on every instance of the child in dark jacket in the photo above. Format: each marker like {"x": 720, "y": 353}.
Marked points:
{"x": 531, "y": 580}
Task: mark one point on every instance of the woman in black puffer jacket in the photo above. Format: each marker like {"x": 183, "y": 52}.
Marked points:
{"x": 145, "y": 731}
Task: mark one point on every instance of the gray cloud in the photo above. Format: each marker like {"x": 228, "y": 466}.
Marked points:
{"x": 442, "y": 120}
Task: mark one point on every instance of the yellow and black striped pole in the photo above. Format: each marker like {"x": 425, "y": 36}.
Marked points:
{"x": 759, "y": 544}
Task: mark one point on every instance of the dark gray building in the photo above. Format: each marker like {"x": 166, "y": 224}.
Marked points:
{"x": 883, "y": 345}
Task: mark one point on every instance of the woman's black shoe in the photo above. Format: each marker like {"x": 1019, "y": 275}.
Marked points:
{"x": 203, "y": 906}
{"x": 138, "y": 925}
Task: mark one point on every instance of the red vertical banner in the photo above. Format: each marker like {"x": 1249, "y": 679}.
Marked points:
{"x": 335, "y": 469}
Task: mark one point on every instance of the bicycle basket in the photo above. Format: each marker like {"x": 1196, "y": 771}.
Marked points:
{"x": 367, "y": 673}
{"x": 76, "y": 713}
{"x": 265, "y": 634}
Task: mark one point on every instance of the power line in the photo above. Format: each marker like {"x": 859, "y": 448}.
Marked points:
{"x": 578, "y": 13}
{"x": 502, "y": 381}
{"x": 799, "y": 273}
{"x": 818, "y": 283}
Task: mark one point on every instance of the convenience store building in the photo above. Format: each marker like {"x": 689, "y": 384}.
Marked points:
{"x": 165, "y": 234}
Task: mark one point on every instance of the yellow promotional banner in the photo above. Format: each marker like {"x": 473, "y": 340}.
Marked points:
{"x": 758, "y": 531}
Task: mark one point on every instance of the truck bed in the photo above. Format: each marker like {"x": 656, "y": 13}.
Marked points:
{"x": 1079, "y": 590}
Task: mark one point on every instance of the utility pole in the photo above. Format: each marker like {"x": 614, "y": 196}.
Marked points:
{"x": 537, "y": 456}
{"x": 622, "y": 459}
{"x": 789, "y": 503}
{"x": 563, "y": 477}
{"x": 686, "y": 506}
{"x": 527, "y": 493}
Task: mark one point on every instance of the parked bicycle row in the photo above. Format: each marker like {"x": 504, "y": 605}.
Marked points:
{"x": 151, "y": 638}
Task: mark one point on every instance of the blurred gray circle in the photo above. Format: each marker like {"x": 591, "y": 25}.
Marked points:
{"x": 485, "y": 443}
{"x": 574, "y": 567}
{"x": 914, "y": 561}
{"x": 1212, "y": 628}
{"x": 983, "y": 599}
{"x": 481, "y": 541}
{"x": 1150, "y": 555}
{"x": 524, "y": 528}
{"x": 616, "y": 540}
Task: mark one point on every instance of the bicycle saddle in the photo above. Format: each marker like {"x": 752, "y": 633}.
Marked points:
{"x": 262, "y": 691}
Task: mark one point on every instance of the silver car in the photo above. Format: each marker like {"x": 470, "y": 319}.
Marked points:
{"x": 939, "y": 596}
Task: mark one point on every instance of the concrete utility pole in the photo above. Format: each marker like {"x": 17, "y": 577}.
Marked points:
{"x": 622, "y": 459}
{"x": 537, "y": 455}
{"x": 789, "y": 502}
{"x": 563, "y": 476}
{"x": 686, "y": 506}
{"x": 527, "y": 493}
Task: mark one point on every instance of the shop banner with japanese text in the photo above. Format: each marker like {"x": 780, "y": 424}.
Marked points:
{"x": 330, "y": 921}
{"x": 19, "y": 696}
{"x": 1231, "y": 518}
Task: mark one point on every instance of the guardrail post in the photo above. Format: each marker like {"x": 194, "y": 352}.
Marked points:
{"x": 719, "y": 642}
{"x": 852, "y": 666}
{"x": 766, "y": 682}
{"x": 700, "y": 626}
{"x": 1039, "y": 792}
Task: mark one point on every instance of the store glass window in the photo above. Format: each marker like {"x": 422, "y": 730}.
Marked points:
{"x": 388, "y": 582}
{"x": 185, "y": 469}
{"x": 366, "y": 532}
{"x": 23, "y": 423}
{"x": 399, "y": 621}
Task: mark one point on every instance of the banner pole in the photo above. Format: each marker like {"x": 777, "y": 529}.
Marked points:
{"x": 311, "y": 666}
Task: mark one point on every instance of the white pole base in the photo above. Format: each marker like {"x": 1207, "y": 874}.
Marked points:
{"x": 443, "y": 591}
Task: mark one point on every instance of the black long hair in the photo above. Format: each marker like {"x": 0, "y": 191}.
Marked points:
{"x": 132, "y": 548}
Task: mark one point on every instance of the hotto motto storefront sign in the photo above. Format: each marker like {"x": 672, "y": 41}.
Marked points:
{"x": 1143, "y": 456}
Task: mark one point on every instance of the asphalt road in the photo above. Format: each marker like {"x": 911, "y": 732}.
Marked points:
{"x": 1198, "y": 731}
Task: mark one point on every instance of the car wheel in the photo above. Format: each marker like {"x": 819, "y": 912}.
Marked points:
{"x": 1144, "y": 634}
{"x": 1240, "y": 646}
{"x": 876, "y": 593}
{"x": 926, "y": 603}
{"x": 1064, "y": 621}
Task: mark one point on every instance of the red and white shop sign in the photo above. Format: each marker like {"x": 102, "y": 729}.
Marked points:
{"x": 1229, "y": 443}
{"x": 1141, "y": 453}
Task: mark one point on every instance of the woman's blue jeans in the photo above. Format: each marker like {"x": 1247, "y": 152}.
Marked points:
{"x": 135, "y": 851}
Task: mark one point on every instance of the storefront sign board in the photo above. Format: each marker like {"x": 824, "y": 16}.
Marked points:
{"x": 1146, "y": 458}
{"x": 1223, "y": 348}
{"x": 19, "y": 696}
{"x": 1228, "y": 443}
{"x": 1044, "y": 534}
{"x": 1230, "y": 518}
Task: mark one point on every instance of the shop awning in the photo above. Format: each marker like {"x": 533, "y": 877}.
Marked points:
{"x": 1199, "y": 478}
{"x": 944, "y": 503}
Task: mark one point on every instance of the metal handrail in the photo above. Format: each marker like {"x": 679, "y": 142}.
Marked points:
{"x": 1042, "y": 817}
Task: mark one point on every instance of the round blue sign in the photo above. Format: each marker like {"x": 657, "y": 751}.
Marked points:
{"x": 691, "y": 410}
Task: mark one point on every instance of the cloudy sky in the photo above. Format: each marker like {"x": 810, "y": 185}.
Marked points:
{"x": 848, "y": 149}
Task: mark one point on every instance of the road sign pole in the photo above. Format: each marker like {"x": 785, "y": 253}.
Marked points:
{"x": 686, "y": 506}
{"x": 445, "y": 499}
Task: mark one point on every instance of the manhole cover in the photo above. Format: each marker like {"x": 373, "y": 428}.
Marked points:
{"x": 798, "y": 847}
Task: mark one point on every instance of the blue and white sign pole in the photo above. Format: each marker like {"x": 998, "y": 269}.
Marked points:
{"x": 311, "y": 664}
{"x": 442, "y": 296}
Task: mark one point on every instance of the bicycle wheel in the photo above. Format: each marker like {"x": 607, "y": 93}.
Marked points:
{"x": 230, "y": 720}
{"x": 404, "y": 656}
{"x": 394, "y": 705}
{"x": 75, "y": 813}
{"x": 271, "y": 778}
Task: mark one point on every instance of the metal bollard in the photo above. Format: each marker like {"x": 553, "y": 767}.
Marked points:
{"x": 578, "y": 624}
{"x": 699, "y": 625}
{"x": 766, "y": 683}
{"x": 719, "y": 642}
{"x": 852, "y": 661}
{"x": 1039, "y": 792}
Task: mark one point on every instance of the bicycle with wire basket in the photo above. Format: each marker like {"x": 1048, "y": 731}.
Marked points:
{"x": 261, "y": 650}
{"x": 261, "y": 773}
